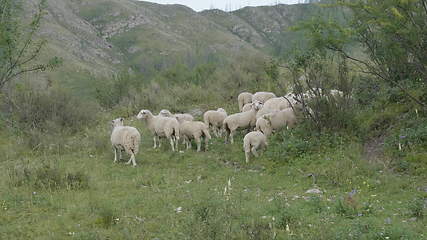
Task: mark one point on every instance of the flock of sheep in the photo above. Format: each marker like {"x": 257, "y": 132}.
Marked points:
{"x": 261, "y": 113}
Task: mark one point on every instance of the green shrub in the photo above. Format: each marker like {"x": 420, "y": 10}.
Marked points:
{"x": 51, "y": 110}
{"x": 417, "y": 207}
{"x": 303, "y": 140}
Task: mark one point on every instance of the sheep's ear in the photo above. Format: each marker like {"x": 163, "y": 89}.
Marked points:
{"x": 122, "y": 119}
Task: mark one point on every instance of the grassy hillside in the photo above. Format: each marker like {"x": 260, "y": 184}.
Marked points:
{"x": 73, "y": 190}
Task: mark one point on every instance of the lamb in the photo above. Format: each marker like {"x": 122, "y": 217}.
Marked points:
{"x": 244, "y": 98}
{"x": 262, "y": 96}
{"x": 195, "y": 130}
{"x": 240, "y": 120}
{"x": 180, "y": 116}
{"x": 276, "y": 120}
{"x": 252, "y": 142}
{"x": 161, "y": 127}
{"x": 125, "y": 138}
{"x": 214, "y": 119}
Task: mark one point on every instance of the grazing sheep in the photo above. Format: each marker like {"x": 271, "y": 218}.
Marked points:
{"x": 195, "y": 130}
{"x": 278, "y": 103}
{"x": 214, "y": 119}
{"x": 252, "y": 142}
{"x": 125, "y": 138}
{"x": 240, "y": 120}
{"x": 179, "y": 116}
{"x": 272, "y": 105}
{"x": 262, "y": 96}
{"x": 161, "y": 127}
{"x": 244, "y": 98}
{"x": 276, "y": 120}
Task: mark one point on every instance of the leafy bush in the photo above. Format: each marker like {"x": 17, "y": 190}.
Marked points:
{"x": 301, "y": 141}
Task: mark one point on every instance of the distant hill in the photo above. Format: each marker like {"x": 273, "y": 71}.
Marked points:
{"x": 101, "y": 37}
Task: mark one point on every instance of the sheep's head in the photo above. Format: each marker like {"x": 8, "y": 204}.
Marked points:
{"x": 221, "y": 110}
{"x": 143, "y": 114}
{"x": 165, "y": 113}
{"x": 117, "y": 122}
{"x": 257, "y": 105}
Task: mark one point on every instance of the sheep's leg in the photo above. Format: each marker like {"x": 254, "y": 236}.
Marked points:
{"x": 232, "y": 137}
{"x": 247, "y": 156}
{"x": 172, "y": 144}
{"x": 254, "y": 152}
{"x": 155, "y": 143}
{"x": 177, "y": 144}
{"x": 206, "y": 143}
{"x": 115, "y": 154}
{"x": 216, "y": 131}
{"x": 227, "y": 136}
{"x": 120, "y": 154}
{"x": 199, "y": 144}
{"x": 132, "y": 160}
{"x": 188, "y": 143}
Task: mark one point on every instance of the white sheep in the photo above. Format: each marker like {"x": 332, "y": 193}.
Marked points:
{"x": 241, "y": 120}
{"x": 276, "y": 120}
{"x": 252, "y": 142}
{"x": 274, "y": 104}
{"x": 214, "y": 119}
{"x": 125, "y": 138}
{"x": 179, "y": 116}
{"x": 262, "y": 96}
{"x": 161, "y": 127}
{"x": 244, "y": 98}
{"x": 195, "y": 130}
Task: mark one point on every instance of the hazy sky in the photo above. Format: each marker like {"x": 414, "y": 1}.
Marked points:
{"x": 222, "y": 4}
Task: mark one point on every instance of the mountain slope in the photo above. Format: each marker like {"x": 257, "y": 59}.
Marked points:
{"x": 100, "y": 37}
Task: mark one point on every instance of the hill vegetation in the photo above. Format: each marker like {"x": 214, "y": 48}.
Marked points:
{"x": 354, "y": 168}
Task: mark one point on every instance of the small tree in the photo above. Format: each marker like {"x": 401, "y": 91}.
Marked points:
{"x": 20, "y": 47}
{"x": 314, "y": 74}
{"x": 392, "y": 34}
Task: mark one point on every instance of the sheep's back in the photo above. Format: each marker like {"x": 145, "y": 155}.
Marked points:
{"x": 121, "y": 135}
